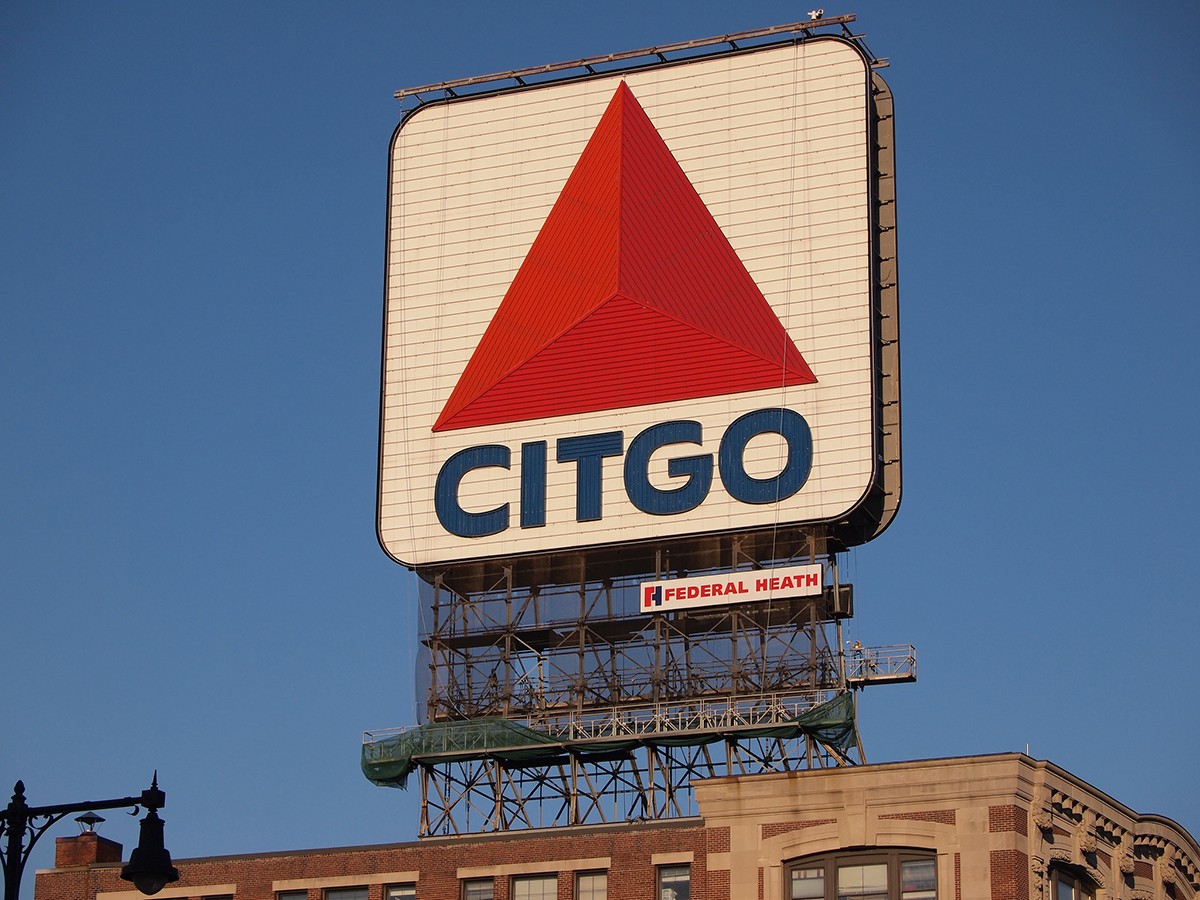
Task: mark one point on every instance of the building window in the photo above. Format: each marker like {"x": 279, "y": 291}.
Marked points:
{"x": 866, "y": 880}
{"x": 808, "y": 883}
{"x": 535, "y": 887}
{"x": 918, "y": 878}
{"x": 292, "y": 895}
{"x": 346, "y": 893}
{"x": 401, "y": 892}
{"x": 1069, "y": 885}
{"x": 870, "y": 875}
{"x": 477, "y": 889}
{"x": 674, "y": 882}
{"x": 591, "y": 886}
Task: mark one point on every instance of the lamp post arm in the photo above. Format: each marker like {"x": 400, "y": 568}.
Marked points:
{"x": 62, "y": 809}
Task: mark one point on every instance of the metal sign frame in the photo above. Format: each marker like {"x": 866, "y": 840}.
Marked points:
{"x": 850, "y": 524}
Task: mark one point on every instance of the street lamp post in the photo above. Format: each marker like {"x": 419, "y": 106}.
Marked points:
{"x": 149, "y": 866}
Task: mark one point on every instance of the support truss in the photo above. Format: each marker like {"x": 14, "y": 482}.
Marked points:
{"x": 647, "y": 783}
{"x": 566, "y": 704}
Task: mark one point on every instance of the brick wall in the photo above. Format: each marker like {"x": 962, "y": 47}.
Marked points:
{"x": 1009, "y": 874}
{"x": 718, "y": 840}
{"x": 84, "y": 850}
{"x": 630, "y": 849}
{"x": 1009, "y": 817}
{"x": 773, "y": 829}
{"x": 942, "y": 816}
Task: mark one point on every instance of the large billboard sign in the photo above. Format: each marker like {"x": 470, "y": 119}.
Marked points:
{"x": 632, "y": 308}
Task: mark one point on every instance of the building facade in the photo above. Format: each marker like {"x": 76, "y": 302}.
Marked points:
{"x": 1000, "y": 827}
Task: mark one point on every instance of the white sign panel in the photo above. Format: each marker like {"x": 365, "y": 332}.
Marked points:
{"x": 630, "y": 308}
{"x": 738, "y": 587}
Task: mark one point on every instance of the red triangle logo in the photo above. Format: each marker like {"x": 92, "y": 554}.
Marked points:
{"x": 630, "y": 295}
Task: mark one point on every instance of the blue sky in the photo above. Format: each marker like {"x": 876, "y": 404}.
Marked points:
{"x": 192, "y": 206}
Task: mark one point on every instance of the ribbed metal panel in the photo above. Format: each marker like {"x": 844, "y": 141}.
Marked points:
{"x": 624, "y": 354}
{"x": 630, "y": 295}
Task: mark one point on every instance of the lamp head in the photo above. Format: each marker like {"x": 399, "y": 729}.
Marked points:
{"x": 149, "y": 866}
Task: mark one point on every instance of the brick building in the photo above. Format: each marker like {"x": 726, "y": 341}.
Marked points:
{"x": 1004, "y": 827}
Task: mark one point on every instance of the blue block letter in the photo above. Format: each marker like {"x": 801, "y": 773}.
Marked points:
{"x": 697, "y": 469}
{"x": 794, "y": 429}
{"x": 453, "y": 517}
{"x": 588, "y": 452}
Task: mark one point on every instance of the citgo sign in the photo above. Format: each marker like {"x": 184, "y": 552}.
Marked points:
{"x": 630, "y": 307}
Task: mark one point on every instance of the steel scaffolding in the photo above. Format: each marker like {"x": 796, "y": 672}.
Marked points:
{"x": 627, "y": 707}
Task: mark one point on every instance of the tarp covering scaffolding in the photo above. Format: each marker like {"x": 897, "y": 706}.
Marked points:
{"x": 389, "y": 761}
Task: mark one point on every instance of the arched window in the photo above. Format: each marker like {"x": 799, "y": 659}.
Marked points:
{"x": 863, "y": 875}
{"x": 1070, "y": 884}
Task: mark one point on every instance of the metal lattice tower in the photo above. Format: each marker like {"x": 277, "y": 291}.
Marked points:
{"x": 628, "y": 708}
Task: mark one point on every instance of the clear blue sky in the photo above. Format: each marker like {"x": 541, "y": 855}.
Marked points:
{"x": 192, "y": 205}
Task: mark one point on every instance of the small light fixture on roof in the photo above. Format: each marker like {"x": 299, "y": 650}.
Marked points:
{"x": 88, "y": 822}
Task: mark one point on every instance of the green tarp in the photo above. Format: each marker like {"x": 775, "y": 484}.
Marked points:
{"x": 391, "y": 760}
